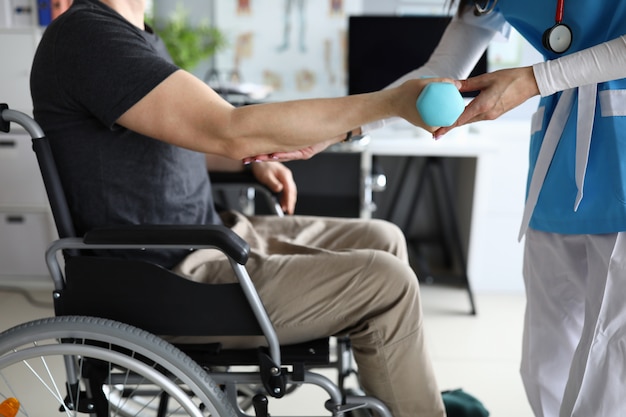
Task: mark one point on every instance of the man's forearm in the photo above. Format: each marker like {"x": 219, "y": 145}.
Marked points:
{"x": 222, "y": 163}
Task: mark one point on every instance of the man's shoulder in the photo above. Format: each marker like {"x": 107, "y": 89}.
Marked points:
{"x": 86, "y": 21}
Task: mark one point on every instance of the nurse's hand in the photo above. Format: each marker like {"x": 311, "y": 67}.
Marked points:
{"x": 499, "y": 92}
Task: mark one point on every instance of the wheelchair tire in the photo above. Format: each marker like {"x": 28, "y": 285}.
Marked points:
{"x": 118, "y": 369}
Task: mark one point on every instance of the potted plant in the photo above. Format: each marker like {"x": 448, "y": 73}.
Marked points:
{"x": 187, "y": 44}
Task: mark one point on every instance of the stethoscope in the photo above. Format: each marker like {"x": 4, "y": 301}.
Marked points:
{"x": 556, "y": 39}
{"x": 486, "y": 8}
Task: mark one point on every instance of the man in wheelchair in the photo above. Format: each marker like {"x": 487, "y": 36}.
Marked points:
{"x": 132, "y": 135}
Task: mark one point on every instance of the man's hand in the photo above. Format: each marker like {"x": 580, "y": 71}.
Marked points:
{"x": 278, "y": 178}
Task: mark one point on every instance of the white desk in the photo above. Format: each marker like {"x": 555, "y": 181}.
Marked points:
{"x": 490, "y": 198}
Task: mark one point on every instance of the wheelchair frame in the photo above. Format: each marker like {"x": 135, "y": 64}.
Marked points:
{"x": 104, "y": 333}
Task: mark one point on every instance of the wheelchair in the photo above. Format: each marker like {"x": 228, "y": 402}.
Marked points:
{"x": 105, "y": 353}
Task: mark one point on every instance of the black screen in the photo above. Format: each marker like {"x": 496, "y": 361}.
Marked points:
{"x": 383, "y": 48}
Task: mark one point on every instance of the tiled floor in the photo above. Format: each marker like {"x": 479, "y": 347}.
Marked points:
{"x": 477, "y": 353}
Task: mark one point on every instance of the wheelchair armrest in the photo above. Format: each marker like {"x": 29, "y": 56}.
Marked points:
{"x": 219, "y": 236}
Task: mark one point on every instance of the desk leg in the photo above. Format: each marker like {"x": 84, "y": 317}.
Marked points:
{"x": 457, "y": 246}
{"x": 433, "y": 171}
{"x": 405, "y": 224}
{"x": 366, "y": 191}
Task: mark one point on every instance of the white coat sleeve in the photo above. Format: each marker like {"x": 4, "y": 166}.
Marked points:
{"x": 600, "y": 63}
{"x": 460, "y": 47}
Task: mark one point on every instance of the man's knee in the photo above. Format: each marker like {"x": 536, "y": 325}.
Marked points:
{"x": 393, "y": 277}
{"x": 390, "y": 300}
{"x": 386, "y": 230}
{"x": 387, "y": 236}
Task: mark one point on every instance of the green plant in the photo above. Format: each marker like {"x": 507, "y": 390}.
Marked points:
{"x": 188, "y": 44}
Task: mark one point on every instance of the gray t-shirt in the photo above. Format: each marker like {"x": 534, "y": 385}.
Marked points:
{"x": 90, "y": 67}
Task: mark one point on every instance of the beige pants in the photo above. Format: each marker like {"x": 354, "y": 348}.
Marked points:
{"x": 319, "y": 277}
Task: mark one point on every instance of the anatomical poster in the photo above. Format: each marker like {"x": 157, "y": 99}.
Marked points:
{"x": 284, "y": 49}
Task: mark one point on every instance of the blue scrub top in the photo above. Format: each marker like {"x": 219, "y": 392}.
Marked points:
{"x": 603, "y": 207}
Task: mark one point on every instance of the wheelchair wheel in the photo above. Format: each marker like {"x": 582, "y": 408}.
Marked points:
{"x": 83, "y": 365}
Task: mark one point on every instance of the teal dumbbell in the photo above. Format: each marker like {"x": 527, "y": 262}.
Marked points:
{"x": 440, "y": 104}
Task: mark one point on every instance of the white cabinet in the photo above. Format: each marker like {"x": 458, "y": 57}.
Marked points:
{"x": 20, "y": 33}
{"x": 495, "y": 255}
{"x": 24, "y": 238}
{"x": 15, "y": 14}
{"x": 15, "y": 67}
{"x": 26, "y": 226}
{"x": 20, "y": 180}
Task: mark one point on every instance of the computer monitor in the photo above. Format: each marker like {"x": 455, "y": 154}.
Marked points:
{"x": 383, "y": 48}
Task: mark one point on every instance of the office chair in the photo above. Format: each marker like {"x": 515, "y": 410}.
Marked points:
{"x": 100, "y": 354}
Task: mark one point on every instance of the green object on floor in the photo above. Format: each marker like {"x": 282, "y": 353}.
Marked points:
{"x": 459, "y": 403}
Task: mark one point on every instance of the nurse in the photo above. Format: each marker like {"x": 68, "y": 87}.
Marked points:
{"x": 574, "y": 344}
